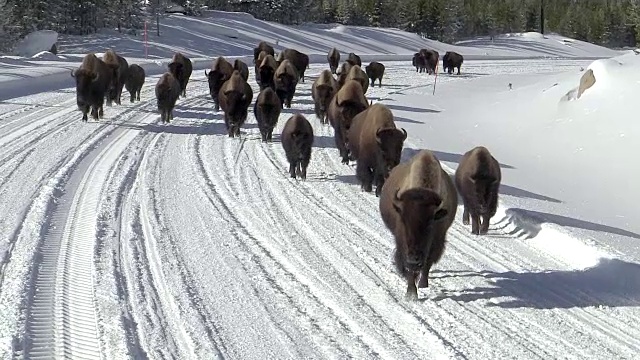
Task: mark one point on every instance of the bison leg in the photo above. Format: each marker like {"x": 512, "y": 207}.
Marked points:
{"x": 484, "y": 227}
{"x": 465, "y": 216}
{"x": 344, "y": 153}
{"x": 138, "y": 94}
{"x": 475, "y": 224}
{"x": 380, "y": 81}
{"x": 292, "y": 169}
{"x": 424, "y": 276}
{"x": 133, "y": 97}
{"x": 303, "y": 169}
{"x": 458, "y": 70}
{"x": 412, "y": 290}
{"x": 364, "y": 174}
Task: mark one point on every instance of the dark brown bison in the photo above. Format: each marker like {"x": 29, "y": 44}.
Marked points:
{"x": 235, "y": 97}
{"x": 418, "y": 204}
{"x": 342, "y": 75}
{"x": 242, "y": 68}
{"x": 431, "y": 58}
{"x": 348, "y": 102}
{"x": 478, "y": 180}
{"x": 375, "y": 71}
{"x": 167, "y": 93}
{"x": 356, "y": 73}
{"x": 285, "y": 79}
{"x": 419, "y": 62}
{"x": 266, "y": 71}
{"x": 93, "y": 79}
{"x": 376, "y": 144}
{"x": 334, "y": 59}
{"x": 262, "y": 46}
{"x": 181, "y": 67}
{"x": 135, "y": 80}
{"x": 267, "y": 109}
{"x": 297, "y": 140}
{"x": 221, "y": 71}
{"x": 354, "y": 59}
{"x": 452, "y": 60}
{"x": 322, "y": 92}
{"x": 257, "y": 63}
{"x": 118, "y": 66}
{"x": 299, "y": 60}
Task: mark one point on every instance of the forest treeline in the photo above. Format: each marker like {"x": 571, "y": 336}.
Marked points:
{"x": 613, "y": 23}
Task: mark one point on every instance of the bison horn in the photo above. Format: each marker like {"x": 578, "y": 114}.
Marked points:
{"x": 205, "y": 73}
{"x": 397, "y": 205}
{"x": 73, "y": 73}
{"x": 405, "y": 134}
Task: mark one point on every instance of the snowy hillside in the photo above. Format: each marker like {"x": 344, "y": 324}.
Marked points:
{"x": 126, "y": 238}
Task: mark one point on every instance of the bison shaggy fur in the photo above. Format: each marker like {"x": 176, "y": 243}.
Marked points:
{"x": 478, "y": 180}
{"x": 242, "y": 68}
{"x": 221, "y": 71}
{"x": 235, "y": 97}
{"x": 299, "y": 60}
{"x": 297, "y": 140}
{"x": 322, "y": 91}
{"x": 354, "y": 59}
{"x": 266, "y": 71}
{"x": 356, "y": 73}
{"x": 181, "y": 67}
{"x": 167, "y": 93}
{"x": 93, "y": 78}
{"x": 418, "y": 204}
{"x": 267, "y": 109}
{"x": 348, "y": 102}
{"x": 376, "y": 144}
{"x": 334, "y": 59}
{"x": 452, "y": 60}
{"x": 375, "y": 71}
{"x": 119, "y": 66}
{"x": 344, "y": 72}
{"x": 286, "y": 80}
{"x": 135, "y": 80}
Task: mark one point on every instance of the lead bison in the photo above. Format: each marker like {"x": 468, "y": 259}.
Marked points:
{"x": 135, "y": 80}
{"x": 119, "y": 66}
{"x": 418, "y": 204}
{"x": 334, "y": 59}
{"x": 267, "y": 109}
{"x": 220, "y": 72}
{"x": 452, "y": 60}
{"x": 235, "y": 97}
{"x": 376, "y": 144}
{"x": 167, "y": 93}
{"x": 322, "y": 92}
{"x": 348, "y": 102}
{"x": 297, "y": 140}
{"x": 181, "y": 67}
{"x": 375, "y": 71}
{"x": 299, "y": 60}
{"x": 262, "y": 46}
{"x": 93, "y": 78}
{"x": 478, "y": 180}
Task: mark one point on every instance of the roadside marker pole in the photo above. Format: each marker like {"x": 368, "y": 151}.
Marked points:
{"x": 435, "y": 81}
{"x": 146, "y": 51}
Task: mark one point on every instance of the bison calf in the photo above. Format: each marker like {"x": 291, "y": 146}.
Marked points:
{"x": 478, "y": 179}
{"x": 418, "y": 204}
{"x": 297, "y": 140}
{"x": 322, "y": 92}
{"x": 267, "y": 109}
{"x": 375, "y": 71}
{"x": 135, "y": 80}
{"x": 167, "y": 93}
{"x": 235, "y": 97}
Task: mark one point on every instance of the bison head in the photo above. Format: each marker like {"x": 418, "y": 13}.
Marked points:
{"x": 324, "y": 94}
{"x": 418, "y": 209}
{"x": 176, "y": 68}
{"x": 390, "y": 142}
{"x": 485, "y": 190}
{"x": 84, "y": 80}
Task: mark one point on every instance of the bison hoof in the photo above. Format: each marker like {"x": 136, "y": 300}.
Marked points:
{"x": 424, "y": 282}
{"x": 411, "y": 296}
{"x": 466, "y": 221}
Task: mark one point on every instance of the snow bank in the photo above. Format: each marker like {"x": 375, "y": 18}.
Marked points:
{"x": 35, "y": 42}
{"x": 45, "y": 55}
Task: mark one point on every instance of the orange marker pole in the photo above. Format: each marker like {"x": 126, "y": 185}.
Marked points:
{"x": 435, "y": 81}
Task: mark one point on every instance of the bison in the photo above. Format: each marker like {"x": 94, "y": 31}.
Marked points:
{"x": 376, "y": 144}
{"x": 322, "y": 92}
{"x": 356, "y": 73}
{"x": 93, "y": 79}
{"x": 167, "y": 93}
{"x": 285, "y": 79}
{"x": 118, "y": 66}
{"x": 235, "y": 97}
{"x": 299, "y": 60}
{"x": 181, "y": 67}
{"x": 375, "y": 71}
{"x": 452, "y": 60}
{"x": 431, "y": 58}
{"x": 257, "y": 62}
{"x": 418, "y": 204}
{"x": 297, "y": 139}
{"x": 342, "y": 75}
{"x": 242, "y": 68}
{"x": 262, "y": 46}
{"x": 419, "y": 62}
{"x": 333, "y": 58}
{"x": 348, "y": 102}
{"x": 266, "y": 71}
{"x": 354, "y": 59}
{"x": 220, "y": 72}
{"x": 135, "y": 80}
{"x": 478, "y": 179}
{"x": 267, "y": 109}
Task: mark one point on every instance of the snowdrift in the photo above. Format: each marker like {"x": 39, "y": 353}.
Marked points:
{"x": 36, "y": 42}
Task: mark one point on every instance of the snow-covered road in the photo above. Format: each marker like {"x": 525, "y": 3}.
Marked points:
{"x": 133, "y": 239}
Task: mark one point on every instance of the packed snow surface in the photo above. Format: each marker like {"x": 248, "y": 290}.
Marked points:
{"x": 126, "y": 238}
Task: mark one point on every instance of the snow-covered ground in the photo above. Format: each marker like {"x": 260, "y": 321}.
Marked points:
{"x": 128, "y": 238}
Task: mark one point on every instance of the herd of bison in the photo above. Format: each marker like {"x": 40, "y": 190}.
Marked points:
{"x": 418, "y": 199}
